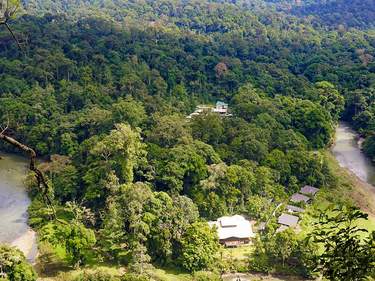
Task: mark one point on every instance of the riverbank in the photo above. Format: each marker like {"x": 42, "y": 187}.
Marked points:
{"x": 14, "y": 203}
{"x": 27, "y": 244}
{"x": 355, "y": 173}
{"x": 350, "y": 187}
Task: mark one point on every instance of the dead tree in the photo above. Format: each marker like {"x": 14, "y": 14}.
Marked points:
{"x": 41, "y": 180}
{"x": 7, "y": 11}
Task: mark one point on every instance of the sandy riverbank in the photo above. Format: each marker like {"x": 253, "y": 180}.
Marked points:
{"x": 27, "y": 244}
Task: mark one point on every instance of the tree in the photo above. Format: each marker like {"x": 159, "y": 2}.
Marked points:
{"x": 75, "y": 237}
{"x": 121, "y": 150}
{"x": 130, "y": 111}
{"x": 330, "y": 98}
{"x": 99, "y": 275}
{"x": 282, "y": 250}
{"x": 348, "y": 250}
{"x": 8, "y": 9}
{"x": 199, "y": 247}
{"x": 13, "y": 265}
{"x": 208, "y": 127}
{"x": 169, "y": 130}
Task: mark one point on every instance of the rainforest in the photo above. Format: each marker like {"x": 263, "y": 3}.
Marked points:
{"x": 148, "y": 121}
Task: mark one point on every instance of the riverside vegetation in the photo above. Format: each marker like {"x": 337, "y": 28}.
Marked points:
{"x": 102, "y": 89}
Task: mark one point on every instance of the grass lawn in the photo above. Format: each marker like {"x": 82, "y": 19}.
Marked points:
{"x": 169, "y": 275}
{"x": 239, "y": 253}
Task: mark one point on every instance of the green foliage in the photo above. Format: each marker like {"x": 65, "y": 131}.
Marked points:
{"x": 96, "y": 276}
{"x": 348, "y": 250}
{"x": 282, "y": 251}
{"x": 369, "y": 146}
{"x": 199, "y": 247}
{"x": 76, "y": 239}
{"x": 205, "y": 276}
{"x": 107, "y": 85}
{"x": 13, "y": 265}
{"x": 134, "y": 277}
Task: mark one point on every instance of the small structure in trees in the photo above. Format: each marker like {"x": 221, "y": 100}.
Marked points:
{"x": 221, "y": 108}
{"x": 281, "y": 228}
{"x": 298, "y": 198}
{"x": 288, "y": 220}
{"x": 233, "y": 231}
{"x": 309, "y": 190}
{"x": 294, "y": 209}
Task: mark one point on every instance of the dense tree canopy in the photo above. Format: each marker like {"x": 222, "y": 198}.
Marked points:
{"x": 103, "y": 91}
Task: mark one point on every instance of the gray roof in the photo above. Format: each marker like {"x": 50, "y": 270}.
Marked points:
{"x": 294, "y": 209}
{"x": 288, "y": 220}
{"x": 309, "y": 190}
{"x": 297, "y": 197}
{"x": 281, "y": 228}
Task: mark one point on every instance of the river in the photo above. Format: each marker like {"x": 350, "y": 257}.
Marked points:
{"x": 14, "y": 202}
{"x": 349, "y": 155}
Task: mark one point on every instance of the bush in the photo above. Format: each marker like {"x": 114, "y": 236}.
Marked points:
{"x": 13, "y": 265}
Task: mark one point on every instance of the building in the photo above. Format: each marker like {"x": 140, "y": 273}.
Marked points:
{"x": 233, "y": 231}
{"x": 221, "y": 108}
{"x": 309, "y": 190}
{"x": 294, "y": 209}
{"x": 288, "y": 220}
{"x": 282, "y": 228}
{"x": 298, "y": 198}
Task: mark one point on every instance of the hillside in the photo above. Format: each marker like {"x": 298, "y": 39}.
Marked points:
{"x": 333, "y": 13}
{"x": 102, "y": 91}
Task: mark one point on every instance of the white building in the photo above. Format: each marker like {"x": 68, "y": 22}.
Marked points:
{"x": 221, "y": 108}
{"x": 234, "y": 230}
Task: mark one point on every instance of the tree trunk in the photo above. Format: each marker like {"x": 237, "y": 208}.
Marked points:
{"x": 42, "y": 183}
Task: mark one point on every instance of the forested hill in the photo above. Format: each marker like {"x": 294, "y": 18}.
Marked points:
{"x": 333, "y": 13}
{"x": 105, "y": 97}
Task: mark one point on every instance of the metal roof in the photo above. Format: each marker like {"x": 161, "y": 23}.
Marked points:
{"x": 294, "y": 208}
{"x": 297, "y": 197}
{"x": 235, "y": 226}
{"x": 288, "y": 220}
{"x": 282, "y": 228}
{"x": 309, "y": 190}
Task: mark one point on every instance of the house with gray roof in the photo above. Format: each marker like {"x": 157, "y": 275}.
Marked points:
{"x": 294, "y": 209}
{"x": 282, "y": 228}
{"x": 288, "y": 220}
{"x": 309, "y": 190}
{"x": 298, "y": 198}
